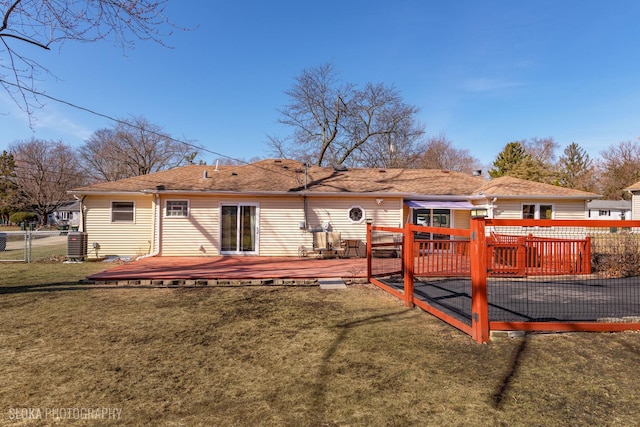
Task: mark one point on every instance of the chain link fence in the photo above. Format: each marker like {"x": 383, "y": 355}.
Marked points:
{"x": 32, "y": 246}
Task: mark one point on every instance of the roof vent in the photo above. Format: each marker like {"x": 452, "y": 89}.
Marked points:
{"x": 205, "y": 175}
{"x": 477, "y": 172}
{"x": 234, "y": 174}
{"x": 382, "y": 170}
{"x": 340, "y": 168}
{"x": 160, "y": 187}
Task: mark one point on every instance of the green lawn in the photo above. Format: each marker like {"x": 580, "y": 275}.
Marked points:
{"x": 289, "y": 356}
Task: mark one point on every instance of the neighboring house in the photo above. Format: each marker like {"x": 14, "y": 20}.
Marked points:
{"x": 635, "y": 199}
{"x": 66, "y": 214}
{"x": 609, "y": 209}
{"x": 271, "y": 207}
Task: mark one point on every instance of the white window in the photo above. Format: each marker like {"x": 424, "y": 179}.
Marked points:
{"x": 122, "y": 211}
{"x": 537, "y": 211}
{"x": 179, "y": 208}
{"x": 356, "y": 214}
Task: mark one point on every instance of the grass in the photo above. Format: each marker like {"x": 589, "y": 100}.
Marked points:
{"x": 290, "y": 356}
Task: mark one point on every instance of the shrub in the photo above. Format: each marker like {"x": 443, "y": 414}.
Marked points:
{"x": 621, "y": 258}
{"x": 19, "y": 217}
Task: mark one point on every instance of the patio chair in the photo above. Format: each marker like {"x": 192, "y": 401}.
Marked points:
{"x": 335, "y": 244}
{"x": 320, "y": 243}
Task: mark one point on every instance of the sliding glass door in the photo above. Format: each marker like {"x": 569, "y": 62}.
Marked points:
{"x": 433, "y": 218}
{"x": 239, "y": 229}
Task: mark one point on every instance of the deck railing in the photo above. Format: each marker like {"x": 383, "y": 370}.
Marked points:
{"x": 521, "y": 256}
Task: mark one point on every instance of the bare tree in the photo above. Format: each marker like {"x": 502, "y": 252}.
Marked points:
{"x": 618, "y": 169}
{"x": 438, "y": 152}
{"x": 44, "y": 171}
{"x": 542, "y": 150}
{"x": 337, "y": 123}
{"x": 134, "y": 147}
{"x": 45, "y": 24}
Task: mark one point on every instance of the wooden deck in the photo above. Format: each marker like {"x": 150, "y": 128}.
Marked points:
{"x": 233, "y": 268}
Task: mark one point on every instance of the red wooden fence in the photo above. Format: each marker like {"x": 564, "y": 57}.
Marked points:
{"x": 479, "y": 255}
{"x": 521, "y": 256}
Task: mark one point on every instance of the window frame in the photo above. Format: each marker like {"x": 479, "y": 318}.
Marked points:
{"x": 537, "y": 210}
{"x": 120, "y": 211}
{"x": 362, "y": 213}
{"x": 186, "y": 211}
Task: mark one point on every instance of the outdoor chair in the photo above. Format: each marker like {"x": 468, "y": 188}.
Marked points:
{"x": 335, "y": 243}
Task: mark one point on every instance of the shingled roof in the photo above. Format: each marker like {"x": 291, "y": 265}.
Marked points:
{"x": 288, "y": 176}
{"x": 508, "y": 186}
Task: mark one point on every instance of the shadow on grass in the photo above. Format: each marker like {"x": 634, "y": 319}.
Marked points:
{"x": 319, "y": 404}
{"x": 499, "y": 395}
{"x": 74, "y": 286}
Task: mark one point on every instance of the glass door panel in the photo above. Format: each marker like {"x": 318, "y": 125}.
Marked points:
{"x": 229, "y": 235}
{"x": 238, "y": 229}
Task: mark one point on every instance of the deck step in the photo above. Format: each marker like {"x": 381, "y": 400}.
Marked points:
{"x": 332, "y": 283}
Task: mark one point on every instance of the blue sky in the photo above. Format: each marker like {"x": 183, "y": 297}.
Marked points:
{"x": 483, "y": 72}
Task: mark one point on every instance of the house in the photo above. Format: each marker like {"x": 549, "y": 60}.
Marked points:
{"x": 272, "y": 207}
{"x": 609, "y": 209}
{"x": 68, "y": 213}
{"x": 635, "y": 199}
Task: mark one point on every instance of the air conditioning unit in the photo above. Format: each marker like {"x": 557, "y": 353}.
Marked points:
{"x": 77, "y": 246}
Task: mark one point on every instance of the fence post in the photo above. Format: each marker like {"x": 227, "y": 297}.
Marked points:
{"x": 522, "y": 247}
{"x": 408, "y": 265}
{"x": 479, "y": 302}
{"x": 28, "y": 236}
{"x": 368, "y": 246}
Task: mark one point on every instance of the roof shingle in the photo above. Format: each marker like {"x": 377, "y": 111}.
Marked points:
{"x": 287, "y": 176}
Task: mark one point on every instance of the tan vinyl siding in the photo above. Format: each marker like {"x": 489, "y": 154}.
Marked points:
{"x": 562, "y": 209}
{"x": 461, "y": 219}
{"x": 280, "y": 218}
{"x": 574, "y": 209}
{"x": 635, "y": 206}
{"x": 279, "y": 232}
{"x": 197, "y": 234}
{"x": 120, "y": 238}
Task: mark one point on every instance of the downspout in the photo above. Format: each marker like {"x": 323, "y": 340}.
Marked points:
{"x": 304, "y": 197}
{"x": 155, "y": 229}
{"x": 82, "y": 212}
{"x": 492, "y": 207}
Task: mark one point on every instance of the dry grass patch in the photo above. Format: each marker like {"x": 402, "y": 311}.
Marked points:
{"x": 296, "y": 356}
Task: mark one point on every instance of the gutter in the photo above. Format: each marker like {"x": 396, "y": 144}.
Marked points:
{"x": 531, "y": 197}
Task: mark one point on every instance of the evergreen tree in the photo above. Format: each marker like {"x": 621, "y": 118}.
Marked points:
{"x": 508, "y": 159}
{"x": 576, "y": 169}
{"x": 8, "y": 187}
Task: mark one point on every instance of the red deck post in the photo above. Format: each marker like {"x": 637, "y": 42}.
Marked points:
{"x": 408, "y": 261}
{"x": 369, "y": 252}
{"x": 479, "y": 302}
